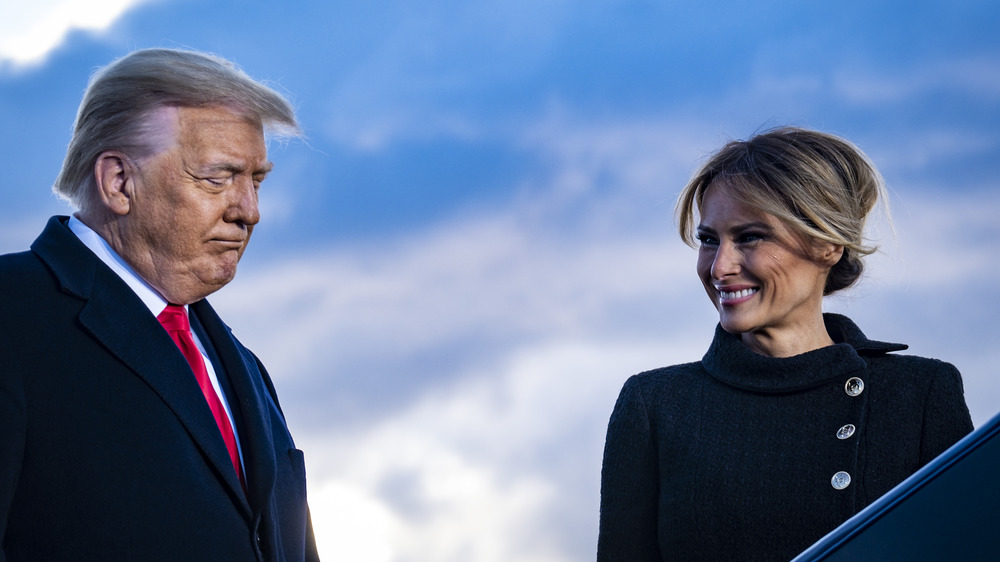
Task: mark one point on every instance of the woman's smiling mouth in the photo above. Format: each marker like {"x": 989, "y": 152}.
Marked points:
{"x": 737, "y": 296}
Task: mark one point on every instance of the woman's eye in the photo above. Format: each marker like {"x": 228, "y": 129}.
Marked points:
{"x": 707, "y": 240}
{"x": 750, "y": 237}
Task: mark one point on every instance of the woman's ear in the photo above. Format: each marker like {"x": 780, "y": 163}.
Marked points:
{"x": 829, "y": 254}
{"x": 114, "y": 176}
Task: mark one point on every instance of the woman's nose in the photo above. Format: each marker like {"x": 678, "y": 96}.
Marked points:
{"x": 727, "y": 261}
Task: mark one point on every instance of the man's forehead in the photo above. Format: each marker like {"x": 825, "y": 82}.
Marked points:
{"x": 170, "y": 119}
{"x": 195, "y": 119}
{"x": 213, "y": 129}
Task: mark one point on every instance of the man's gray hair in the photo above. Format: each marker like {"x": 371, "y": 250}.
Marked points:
{"x": 122, "y": 96}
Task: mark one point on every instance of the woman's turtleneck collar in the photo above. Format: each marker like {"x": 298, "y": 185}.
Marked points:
{"x": 733, "y": 363}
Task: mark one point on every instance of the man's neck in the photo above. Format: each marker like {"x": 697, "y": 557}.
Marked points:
{"x": 100, "y": 247}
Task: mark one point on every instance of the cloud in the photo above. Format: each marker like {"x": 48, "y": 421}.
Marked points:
{"x": 596, "y": 230}
{"x": 503, "y": 462}
{"x": 451, "y": 382}
{"x": 29, "y": 31}
{"x": 423, "y": 310}
{"x": 482, "y": 471}
{"x": 947, "y": 239}
{"x": 452, "y": 386}
{"x": 437, "y": 69}
{"x": 930, "y": 151}
{"x": 974, "y": 76}
{"x": 17, "y": 233}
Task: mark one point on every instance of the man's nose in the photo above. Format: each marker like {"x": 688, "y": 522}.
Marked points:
{"x": 243, "y": 206}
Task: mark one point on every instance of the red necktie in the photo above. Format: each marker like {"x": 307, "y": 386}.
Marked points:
{"x": 175, "y": 320}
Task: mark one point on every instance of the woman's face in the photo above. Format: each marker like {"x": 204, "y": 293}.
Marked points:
{"x": 763, "y": 278}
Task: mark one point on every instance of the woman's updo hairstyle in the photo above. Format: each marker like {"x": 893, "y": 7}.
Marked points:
{"x": 820, "y": 185}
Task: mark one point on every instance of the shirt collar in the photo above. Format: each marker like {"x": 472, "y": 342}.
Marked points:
{"x": 146, "y": 293}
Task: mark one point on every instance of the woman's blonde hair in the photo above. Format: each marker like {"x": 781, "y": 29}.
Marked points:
{"x": 820, "y": 185}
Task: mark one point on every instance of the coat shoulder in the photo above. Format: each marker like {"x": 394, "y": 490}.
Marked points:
{"x": 666, "y": 377}
{"x": 661, "y": 388}
{"x": 24, "y": 281}
{"x": 17, "y": 266}
{"x": 900, "y": 366}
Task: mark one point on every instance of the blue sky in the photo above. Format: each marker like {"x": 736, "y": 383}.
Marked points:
{"x": 474, "y": 247}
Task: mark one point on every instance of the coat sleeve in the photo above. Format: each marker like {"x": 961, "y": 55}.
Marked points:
{"x": 311, "y": 550}
{"x": 13, "y": 415}
{"x": 946, "y": 416}
{"x": 629, "y": 483}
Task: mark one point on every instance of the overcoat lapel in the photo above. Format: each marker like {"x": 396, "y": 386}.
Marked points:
{"x": 116, "y": 317}
{"x": 250, "y": 404}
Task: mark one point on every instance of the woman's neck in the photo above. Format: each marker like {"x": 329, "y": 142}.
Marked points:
{"x": 788, "y": 341}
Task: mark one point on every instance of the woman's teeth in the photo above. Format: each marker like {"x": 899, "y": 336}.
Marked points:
{"x": 732, "y": 295}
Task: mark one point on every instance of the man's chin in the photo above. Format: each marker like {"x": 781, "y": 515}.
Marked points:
{"x": 200, "y": 288}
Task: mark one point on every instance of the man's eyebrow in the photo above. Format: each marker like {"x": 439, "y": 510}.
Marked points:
{"x": 233, "y": 168}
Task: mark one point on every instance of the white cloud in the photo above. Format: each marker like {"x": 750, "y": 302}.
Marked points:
{"x": 515, "y": 271}
{"x": 350, "y": 523}
{"x": 947, "y": 239}
{"x": 930, "y": 149}
{"x": 30, "y": 30}
{"x": 975, "y": 76}
{"x": 478, "y": 473}
{"x": 393, "y": 88}
{"x": 548, "y": 303}
{"x": 18, "y": 233}
{"x": 500, "y": 459}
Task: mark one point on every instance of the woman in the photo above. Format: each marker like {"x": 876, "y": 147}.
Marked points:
{"x": 794, "y": 420}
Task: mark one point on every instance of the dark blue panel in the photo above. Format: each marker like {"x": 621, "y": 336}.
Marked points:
{"x": 945, "y": 511}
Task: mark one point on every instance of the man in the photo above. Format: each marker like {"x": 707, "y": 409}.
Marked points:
{"x": 133, "y": 425}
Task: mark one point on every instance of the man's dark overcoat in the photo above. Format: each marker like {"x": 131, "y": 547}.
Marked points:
{"x": 108, "y": 450}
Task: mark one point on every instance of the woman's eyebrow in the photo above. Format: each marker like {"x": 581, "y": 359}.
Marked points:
{"x": 738, "y": 228}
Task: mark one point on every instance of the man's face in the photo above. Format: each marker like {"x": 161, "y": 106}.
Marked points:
{"x": 194, "y": 203}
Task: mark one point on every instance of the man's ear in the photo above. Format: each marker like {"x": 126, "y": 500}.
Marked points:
{"x": 114, "y": 174}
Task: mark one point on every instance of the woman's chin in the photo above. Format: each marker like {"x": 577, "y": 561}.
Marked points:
{"x": 735, "y": 325}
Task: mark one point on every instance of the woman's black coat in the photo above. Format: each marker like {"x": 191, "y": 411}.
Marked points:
{"x": 747, "y": 457}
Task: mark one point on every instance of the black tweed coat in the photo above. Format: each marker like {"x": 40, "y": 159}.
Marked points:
{"x": 747, "y": 457}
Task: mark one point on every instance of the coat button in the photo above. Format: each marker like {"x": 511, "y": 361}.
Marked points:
{"x": 845, "y": 432}
{"x": 840, "y": 480}
{"x": 854, "y": 386}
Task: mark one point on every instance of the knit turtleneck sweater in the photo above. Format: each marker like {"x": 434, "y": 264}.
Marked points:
{"x": 747, "y": 457}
